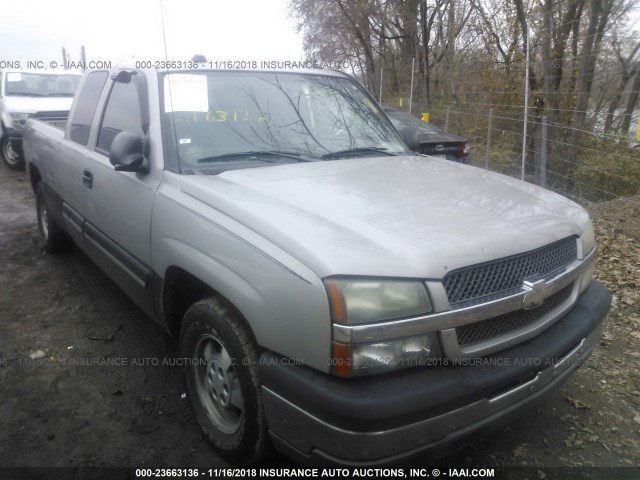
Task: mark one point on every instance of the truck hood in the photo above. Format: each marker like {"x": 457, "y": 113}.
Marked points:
{"x": 405, "y": 216}
{"x": 23, "y": 104}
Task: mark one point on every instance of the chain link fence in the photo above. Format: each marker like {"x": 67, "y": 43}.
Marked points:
{"x": 598, "y": 171}
{"x": 584, "y": 164}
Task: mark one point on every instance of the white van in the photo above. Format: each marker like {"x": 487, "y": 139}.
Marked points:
{"x": 24, "y": 93}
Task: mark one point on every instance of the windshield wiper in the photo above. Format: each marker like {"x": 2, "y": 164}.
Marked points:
{"x": 274, "y": 153}
{"x": 357, "y": 151}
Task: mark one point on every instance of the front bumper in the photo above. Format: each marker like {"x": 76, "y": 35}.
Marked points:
{"x": 317, "y": 418}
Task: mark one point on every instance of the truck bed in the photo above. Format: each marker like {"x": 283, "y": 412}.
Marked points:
{"x": 55, "y": 119}
{"x": 43, "y": 133}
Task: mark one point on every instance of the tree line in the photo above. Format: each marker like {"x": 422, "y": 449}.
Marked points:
{"x": 584, "y": 54}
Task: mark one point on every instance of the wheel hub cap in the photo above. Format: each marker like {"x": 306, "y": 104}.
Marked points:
{"x": 219, "y": 384}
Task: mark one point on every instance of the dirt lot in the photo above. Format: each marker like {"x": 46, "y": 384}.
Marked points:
{"x": 59, "y": 311}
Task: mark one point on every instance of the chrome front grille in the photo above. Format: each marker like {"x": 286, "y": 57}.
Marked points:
{"x": 505, "y": 276}
{"x": 479, "y": 332}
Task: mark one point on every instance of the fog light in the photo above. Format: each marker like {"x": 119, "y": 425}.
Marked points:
{"x": 378, "y": 357}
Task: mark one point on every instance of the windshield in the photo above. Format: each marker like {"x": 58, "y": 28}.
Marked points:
{"x": 244, "y": 119}
{"x": 41, "y": 84}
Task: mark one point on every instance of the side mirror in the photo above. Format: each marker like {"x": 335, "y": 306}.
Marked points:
{"x": 410, "y": 138}
{"x": 127, "y": 153}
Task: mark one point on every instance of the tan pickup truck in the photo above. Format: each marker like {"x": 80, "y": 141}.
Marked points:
{"x": 330, "y": 290}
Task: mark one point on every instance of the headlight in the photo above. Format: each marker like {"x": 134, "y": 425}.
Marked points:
{"x": 585, "y": 279}
{"x": 360, "y": 301}
{"x": 588, "y": 239}
{"x": 350, "y": 360}
{"x": 18, "y": 119}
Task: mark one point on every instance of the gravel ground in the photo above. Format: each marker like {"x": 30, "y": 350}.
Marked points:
{"x": 59, "y": 311}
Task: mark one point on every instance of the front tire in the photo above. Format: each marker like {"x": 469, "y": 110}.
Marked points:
{"x": 55, "y": 239}
{"x": 11, "y": 158}
{"x": 221, "y": 377}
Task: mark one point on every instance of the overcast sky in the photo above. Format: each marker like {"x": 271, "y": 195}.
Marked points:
{"x": 118, "y": 29}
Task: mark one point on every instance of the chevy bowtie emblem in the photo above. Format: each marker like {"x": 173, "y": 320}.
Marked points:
{"x": 537, "y": 293}
{"x": 440, "y": 147}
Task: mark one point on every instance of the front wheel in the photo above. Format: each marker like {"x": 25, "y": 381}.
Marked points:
{"x": 11, "y": 158}
{"x": 221, "y": 376}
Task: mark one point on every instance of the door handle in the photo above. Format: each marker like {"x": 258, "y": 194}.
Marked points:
{"x": 87, "y": 178}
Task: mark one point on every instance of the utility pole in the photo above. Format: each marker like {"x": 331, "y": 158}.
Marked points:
{"x": 526, "y": 108}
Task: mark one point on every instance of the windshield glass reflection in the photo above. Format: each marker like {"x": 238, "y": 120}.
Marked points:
{"x": 233, "y": 118}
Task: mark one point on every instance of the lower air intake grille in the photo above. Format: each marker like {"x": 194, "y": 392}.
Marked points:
{"x": 510, "y": 322}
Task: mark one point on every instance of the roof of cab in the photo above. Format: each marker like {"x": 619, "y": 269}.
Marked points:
{"x": 42, "y": 71}
{"x": 135, "y": 65}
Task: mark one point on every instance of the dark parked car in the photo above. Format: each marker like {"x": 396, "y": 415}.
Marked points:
{"x": 431, "y": 140}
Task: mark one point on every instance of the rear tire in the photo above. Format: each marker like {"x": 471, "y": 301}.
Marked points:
{"x": 12, "y": 159}
{"x": 222, "y": 382}
{"x": 55, "y": 239}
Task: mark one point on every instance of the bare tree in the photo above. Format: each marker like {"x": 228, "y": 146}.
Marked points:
{"x": 572, "y": 50}
{"x": 632, "y": 102}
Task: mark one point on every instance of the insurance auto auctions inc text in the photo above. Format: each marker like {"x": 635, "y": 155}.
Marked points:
{"x": 352, "y": 473}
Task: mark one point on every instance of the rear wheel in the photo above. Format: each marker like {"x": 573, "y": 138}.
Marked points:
{"x": 55, "y": 239}
{"x": 221, "y": 376}
{"x": 11, "y": 158}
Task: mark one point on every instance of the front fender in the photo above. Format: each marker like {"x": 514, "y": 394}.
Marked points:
{"x": 284, "y": 303}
